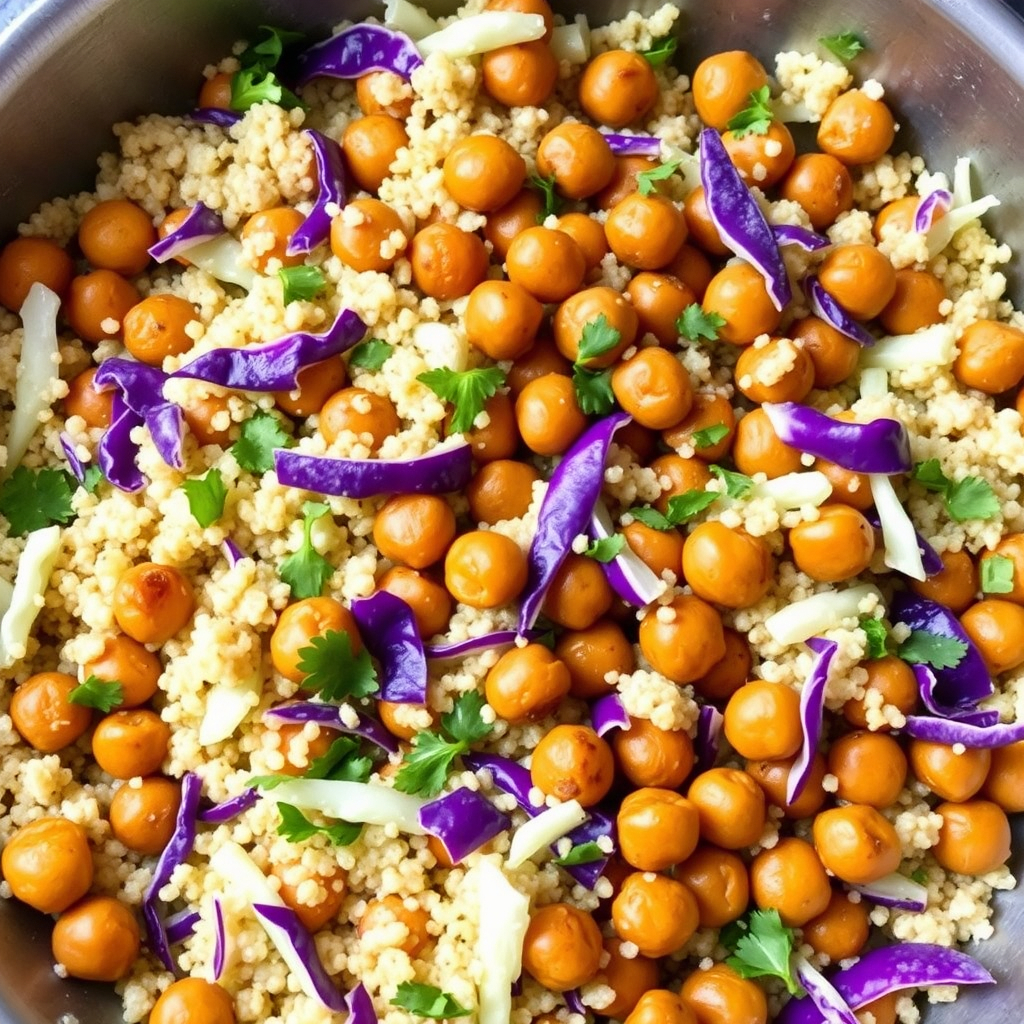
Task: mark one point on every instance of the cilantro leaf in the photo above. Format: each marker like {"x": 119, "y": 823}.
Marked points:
{"x": 737, "y": 485}
{"x": 307, "y": 570}
{"x": 920, "y": 876}
{"x": 708, "y": 437}
{"x": 371, "y": 354}
{"x": 593, "y": 390}
{"x": 765, "y": 950}
{"x": 32, "y": 499}
{"x": 606, "y": 548}
{"x": 267, "y": 52}
{"x": 683, "y": 507}
{"x": 997, "y": 574}
{"x": 585, "y": 853}
{"x": 756, "y": 117}
{"x": 333, "y": 671}
{"x": 93, "y": 478}
{"x": 102, "y": 694}
{"x": 463, "y": 722}
{"x": 341, "y": 762}
{"x": 270, "y": 781}
{"x": 552, "y": 202}
{"x": 924, "y": 648}
{"x": 930, "y": 476}
{"x": 466, "y": 390}
{"x": 651, "y": 517}
{"x": 427, "y": 1001}
{"x": 296, "y": 828}
{"x": 206, "y": 497}
{"x": 302, "y": 282}
{"x": 971, "y": 498}
{"x": 258, "y": 84}
{"x": 662, "y": 50}
{"x": 260, "y": 435}
{"x": 645, "y": 180}
{"x": 845, "y": 45}
{"x": 597, "y": 338}
{"x": 877, "y": 637}
{"x": 694, "y": 323}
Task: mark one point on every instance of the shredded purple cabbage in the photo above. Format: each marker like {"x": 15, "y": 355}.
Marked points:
{"x": 74, "y": 462}
{"x": 215, "y": 115}
{"x": 633, "y": 145}
{"x": 329, "y": 716}
{"x": 823, "y": 305}
{"x": 220, "y": 940}
{"x": 178, "y": 927}
{"x": 388, "y": 628}
{"x": 201, "y": 225}
{"x": 629, "y": 575}
{"x": 709, "y": 735}
{"x": 573, "y": 1001}
{"x": 166, "y": 425}
{"x": 812, "y": 713}
{"x": 931, "y": 207}
{"x": 117, "y": 452}
{"x": 896, "y": 891}
{"x": 330, "y": 176}
{"x": 822, "y": 993}
{"x": 608, "y": 713}
{"x": 499, "y": 638}
{"x": 463, "y": 821}
{"x": 930, "y": 558}
{"x": 951, "y": 731}
{"x": 230, "y": 808}
{"x": 232, "y": 552}
{"x": 360, "y": 1007}
{"x": 355, "y": 51}
{"x": 927, "y": 684}
{"x": 793, "y": 234}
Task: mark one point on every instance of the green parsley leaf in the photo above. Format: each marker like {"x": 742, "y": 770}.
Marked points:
{"x": 971, "y": 498}
{"x": 307, "y": 570}
{"x": 756, "y": 117}
{"x": 267, "y": 52}
{"x": 845, "y": 45}
{"x": 708, "y": 437}
{"x": 102, "y": 694}
{"x": 257, "y": 84}
{"x": 270, "y": 781}
{"x": 877, "y": 636}
{"x": 333, "y": 671}
{"x": 341, "y": 762}
{"x": 93, "y": 478}
{"x": 302, "y": 282}
{"x": 765, "y": 950}
{"x": 585, "y": 853}
{"x": 997, "y": 574}
{"x": 662, "y": 50}
{"x": 694, "y": 324}
{"x": 646, "y": 180}
{"x": 371, "y": 354}
{"x": 32, "y": 499}
{"x": 651, "y": 517}
{"x": 597, "y": 338}
{"x": 919, "y": 875}
{"x": 206, "y": 497}
{"x": 296, "y": 828}
{"x": 463, "y": 722}
{"x": 260, "y": 435}
{"x": 731, "y": 934}
{"x": 737, "y": 485}
{"x": 467, "y": 390}
{"x": 924, "y": 648}
{"x": 606, "y": 548}
{"x": 930, "y": 476}
{"x": 593, "y": 390}
{"x": 427, "y": 1001}
{"x": 684, "y": 507}
{"x": 552, "y": 201}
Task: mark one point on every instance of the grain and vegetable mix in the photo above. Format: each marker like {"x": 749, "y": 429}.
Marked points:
{"x": 493, "y": 532}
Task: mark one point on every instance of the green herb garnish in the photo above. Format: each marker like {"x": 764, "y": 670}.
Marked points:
{"x": 708, "y": 437}
{"x": 645, "y": 180}
{"x": 969, "y": 498}
{"x": 301, "y": 283}
{"x": 306, "y": 571}
{"x": 102, "y": 694}
{"x": 756, "y": 117}
{"x": 681, "y": 508}
{"x": 371, "y": 354}
{"x": 333, "y": 671}
{"x": 662, "y": 50}
{"x": 260, "y": 435}
{"x": 877, "y": 637}
{"x": 427, "y": 1001}
{"x": 552, "y": 202}
{"x": 924, "y": 648}
{"x": 694, "y": 324}
{"x": 844, "y": 45}
{"x": 605, "y": 548}
{"x": 585, "y": 853}
{"x": 32, "y": 499}
{"x": 296, "y": 828}
{"x": 765, "y": 949}
{"x": 466, "y": 390}
{"x": 737, "y": 485}
{"x": 206, "y": 496}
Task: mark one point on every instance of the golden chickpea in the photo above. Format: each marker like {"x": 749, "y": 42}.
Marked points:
{"x": 299, "y": 623}
{"x": 592, "y": 655}
{"x": 361, "y": 236}
{"x": 692, "y": 267}
{"x": 383, "y": 912}
{"x": 661, "y": 1006}
{"x": 579, "y": 593}
{"x": 719, "y": 881}
{"x": 628, "y": 977}
{"x": 522, "y": 212}
{"x": 617, "y": 88}
{"x": 415, "y": 529}
{"x": 483, "y": 173}
{"x": 625, "y": 181}
{"x": 216, "y": 92}
{"x": 96, "y": 304}
{"x": 649, "y": 756}
{"x": 573, "y": 763}
{"x": 577, "y": 157}
{"x": 645, "y": 232}
{"x": 82, "y": 399}
{"x": 757, "y": 448}
{"x": 856, "y": 843}
{"x": 833, "y": 355}
{"x": 955, "y": 585}
{"x": 856, "y": 129}
{"x": 130, "y": 743}
{"x": 372, "y": 418}
{"x": 860, "y": 278}
{"x": 484, "y": 569}
{"x": 722, "y": 85}
{"x": 316, "y": 383}
{"x": 498, "y": 438}
{"x": 42, "y": 714}
{"x": 447, "y": 262}
{"x": 915, "y": 303}
{"x": 298, "y": 749}
{"x": 762, "y": 159}
{"x": 759, "y": 362}
{"x": 155, "y": 328}
{"x": 848, "y": 488}
{"x": 871, "y": 768}
{"x": 502, "y": 319}
{"x": 789, "y": 878}
{"x": 48, "y": 864}
{"x": 313, "y": 915}
{"x": 653, "y": 387}
{"x": 840, "y": 930}
{"x": 388, "y": 711}
{"x": 541, "y": 359}
{"x": 762, "y": 720}
{"x": 588, "y": 234}
{"x": 548, "y": 414}
{"x": 709, "y": 412}
{"x": 678, "y": 475}
{"x": 726, "y": 566}
{"x": 896, "y": 217}
{"x": 547, "y": 263}
{"x": 991, "y": 357}
{"x": 997, "y": 629}
{"x": 773, "y": 778}
{"x": 685, "y": 640}
{"x": 656, "y": 913}
{"x": 384, "y": 92}
{"x": 737, "y": 293}
{"x": 720, "y": 996}
{"x": 659, "y": 550}
{"x": 266, "y": 236}
{"x": 659, "y": 301}
{"x": 171, "y": 222}
{"x": 370, "y": 145}
{"x": 526, "y": 683}
{"x": 838, "y": 545}
{"x": 1004, "y": 784}
{"x": 701, "y": 226}
{"x": 96, "y": 940}
{"x": 822, "y": 185}
{"x": 194, "y": 1001}
{"x": 142, "y": 817}
{"x": 657, "y": 828}
{"x": 26, "y": 261}
{"x": 127, "y": 662}
{"x": 881, "y": 1011}
{"x": 730, "y": 672}
{"x": 201, "y": 415}
{"x": 949, "y": 775}
{"x": 562, "y": 948}
{"x": 731, "y": 807}
{"x": 153, "y": 602}
{"x": 575, "y": 319}
{"x": 430, "y": 603}
{"x": 116, "y": 235}
{"x": 974, "y": 838}
{"x": 522, "y": 75}
{"x": 502, "y": 489}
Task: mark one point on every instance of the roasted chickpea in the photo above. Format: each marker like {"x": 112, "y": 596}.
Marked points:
{"x": 384, "y": 92}
{"x": 833, "y": 355}
{"x": 894, "y": 679}
{"x": 415, "y": 529}
{"x": 372, "y": 418}
{"x": 848, "y": 488}
{"x": 684, "y": 640}
{"x": 761, "y": 159}
{"x": 653, "y": 387}
{"x": 991, "y": 357}
{"x": 502, "y": 319}
{"x": 871, "y": 768}
{"x": 142, "y": 817}
{"x": 547, "y": 263}
{"x": 82, "y": 399}
{"x": 526, "y": 683}
{"x": 625, "y": 181}
{"x": 737, "y": 293}
{"x": 693, "y": 268}
{"x": 758, "y": 364}
{"x": 193, "y": 1001}
{"x": 578, "y": 157}
{"x": 96, "y": 940}
{"x": 541, "y": 359}
{"x": 628, "y": 977}
{"x": 430, "y": 603}
{"x": 155, "y": 328}
{"x": 216, "y": 91}
{"x": 660, "y": 550}
{"x": 316, "y": 383}
{"x": 773, "y": 778}
{"x": 370, "y": 145}
{"x": 522, "y": 212}
{"x": 720, "y": 996}
{"x": 701, "y": 226}
{"x": 573, "y": 763}
{"x": 762, "y": 720}
{"x": 299, "y": 623}
{"x": 548, "y": 414}
{"x": 522, "y": 75}
{"x": 649, "y": 756}
{"x": 722, "y": 85}
{"x": 974, "y": 838}
{"x": 592, "y": 655}
{"x": 130, "y": 743}
{"x": 579, "y": 593}
{"x": 617, "y": 88}
{"x": 656, "y": 913}
{"x": 300, "y": 745}
{"x": 757, "y": 448}
{"x": 915, "y": 304}
{"x": 44, "y": 717}
{"x": 896, "y": 217}
{"x": 856, "y": 129}
{"x": 48, "y": 864}
{"x": 677, "y": 475}
{"x": 727, "y": 566}
{"x": 879, "y": 1011}
{"x": 719, "y": 881}
{"x": 836, "y": 546}
{"x": 266, "y": 235}
{"x": 950, "y": 775}
{"x": 822, "y": 185}
{"x": 498, "y": 437}
{"x": 385, "y": 912}
{"x": 860, "y": 278}
{"x": 708, "y": 415}
{"x": 362, "y": 236}
{"x": 731, "y": 807}
{"x": 294, "y": 879}
{"x": 1004, "y": 784}
{"x": 856, "y": 843}
{"x": 484, "y": 569}
{"x": 483, "y": 173}
{"x": 576, "y": 316}
{"x": 588, "y": 234}
{"x": 840, "y": 930}
{"x": 394, "y": 718}
{"x": 447, "y": 262}
{"x": 955, "y": 585}
{"x": 657, "y": 828}
{"x": 502, "y": 489}
{"x": 96, "y": 304}
{"x": 26, "y": 261}
{"x": 997, "y": 629}
{"x": 562, "y": 948}
{"x": 789, "y": 878}
{"x": 661, "y": 1006}
{"x": 645, "y": 232}
{"x": 127, "y": 662}
{"x": 730, "y": 672}
{"x": 116, "y": 235}
{"x": 209, "y": 420}
{"x": 659, "y": 301}
{"x": 153, "y": 602}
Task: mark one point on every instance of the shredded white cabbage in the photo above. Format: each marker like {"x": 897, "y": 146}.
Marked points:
{"x": 227, "y": 705}
{"x": 353, "y": 801}
{"x": 222, "y": 258}
{"x": 572, "y": 42}
{"x": 542, "y": 831}
{"x": 405, "y": 17}
{"x": 479, "y": 33}
{"x": 688, "y": 169}
{"x": 965, "y": 209}
{"x": 34, "y": 569}
{"x": 930, "y": 346}
{"x": 874, "y": 382}
{"x": 504, "y": 918}
{"x": 962, "y": 181}
{"x": 813, "y": 615}
{"x": 795, "y": 490}
{"x": 898, "y": 536}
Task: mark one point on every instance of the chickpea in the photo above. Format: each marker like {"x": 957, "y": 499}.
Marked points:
{"x": 82, "y": 399}
{"x": 896, "y": 217}
{"x": 682, "y": 475}
{"x": 840, "y": 930}
{"x": 762, "y": 720}
{"x": 483, "y": 173}
{"x": 577, "y": 157}
{"x": 116, "y": 235}
{"x": 991, "y": 357}
{"x": 96, "y": 304}
{"x": 649, "y": 756}
{"x": 522, "y": 212}
{"x": 579, "y": 593}
{"x": 126, "y": 661}
{"x": 997, "y": 629}
{"x": 657, "y": 828}
{"x": 48, "y": 864}
{"x": 541, "y": 359}
{"x": 142, "y": 817}
{"x": 130, "y": 743}
{"x": 730, "y": 805}
{"x": 759, "y": 362}
{"x": 856, "y": 129}
{"x": 383, "y": 92}
{"x": 836, "y": 546}
{"x": 44, "y": 717}
{"x": 502, "y": 489}
{"x": 299, "y": 623}
{"x": 881, "y": 1011}
{"x": 722, "y": 85}
{"x": 386, "y": 911}
{"x": 762, "y": 160}
{"x": 654, "y": 388}
{"x": 216, "y": 92}
{"x": 727, "y": 566}
{"x": 541, "y": 7}
{"x": 661, "y": 1006}
{"x": 625, "y": 181}
{"x": 871, "y": 768}
{"x": 153, "y": 602}
{"x": 833, "y": 355}
{"x": 155, "y": 328}
{"x": 790, "y": 879}
{"x": 547, "y": 263}
{"x": 576, "y": 316}
{"x": 737, "y": 293}
{"x": 447, "y": 262}
{"x": 97, "y": 939}
{"x": 522, "y": 75}
{"x": 484, "y": 569}
{"x": 372, "y": 418}
{"x": 757, "y": 448}
{"x": 848, "y": 488}
{"x": 645, "y": 232}
{"x": 856, "y": 843}
{"x": 316, "y": 383}
{"x": 686, "y": 645}
{"x": 313, "y": 915}
{"x": 192, "y": 999}
{"x": 594, "y": 654}
{"x": 628, "y": 977}
{"x": 171, "y": 222}
{"x": 730, "y": 672}
{"x": 955, "y": 585}
{"x": 526, "y": 683}
{"x": 562, "y": 948}
{"x": 719, "y": 881}
{"x": 822, "y": 185}
{"x": 894, "y": 679}
{"x": 915, "y": 304}
{"x": 297, "y": 747}
{"x": 548, "y": 414}
{"x": 720, "y": 996}
{"x": 573, "y": 763}
{"x": 202, "y": 414}
{"x": 860, "y": 278}
{"x": 430, "y": 603}
{"x": 701, "y": 226}
{"x": 388, "y": 712}
{"x": 949, "y": 775}
{"x": 502, "y": 319}
{"x": 370, "y": 145}
{"x": 415, "y": 529}
{"x": 25, "y": 261}
{"x": 588, "y": 234}
{"x": 974, "y": 838}
{"x": 656, "y": 913}
{"x": 773, "y": 778}
{"x": 692, "y": 267}
{"x": 266, "y": 236}
{"x": 659, "y": 301}
{"x": 1003, "y": 784}
{"x": 361, "y": 236}
{"x": 709, "y": 411}
{"x": 660, "y": 550}
{"x": 618, "y": 87}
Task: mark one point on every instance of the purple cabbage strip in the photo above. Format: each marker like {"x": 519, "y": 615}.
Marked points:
{"x": 74, "y": 462}
{"x": 608, "y": 713}
{"x": 116, "y": 452}
{"x": 166, "y": 424}
{"x": 230, "y": 808}
{"x": 330, "y": 176}
{"x": 360, "y": 1007}
{"x": 896, "y": 891}
{"x": 975, "y": 737}
{"x": 629, "y": 575}
{"x": 201, "y": 225}
{"x": 931, "y": 560}
{"x": 285, "y": 920}
{"x": 824, "y": 306}
{"x": 597, "y": 825}
{"x": 739, "y": 219}
{"x": 812, "y": 712}
{"x": 215, "y": 115}
{"x": 388, "y": 628}
{"x": 565, "y": 511}
{"x": 463, "y": 821}
{"x": 927, "y": 684}
{"x": 633, "y": 145}
{"x": 709, "y": 736}
{"x": 274, "y": 365}
{"x": 573, "y": 1001}
{"x": 793, "y": 234}
{"x": 891, "y": 969}
{"x": 220, "y": 940}
{"x": 438, "y": 472}
{"x": 329, "y": 716}
{"x": 355, "y": 51}
{"x": 232, "y": 552}
{"x": 931, "y": 207}
{"x": 499, "y": 638}
{"x": 822, "y": 993}
{"x": 178, "y": 927}
{"x": 140, "y": 385}
{"x": 175, "y": 852}
{"x": 881, "y": 446}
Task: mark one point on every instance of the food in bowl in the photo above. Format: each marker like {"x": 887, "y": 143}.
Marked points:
{"x": 494, "y": 531}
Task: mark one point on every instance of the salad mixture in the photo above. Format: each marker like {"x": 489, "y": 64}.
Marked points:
{"x": 492, "y": 532}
